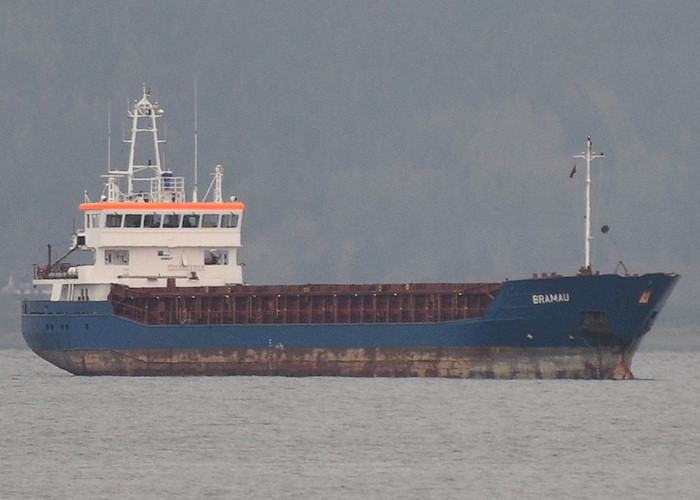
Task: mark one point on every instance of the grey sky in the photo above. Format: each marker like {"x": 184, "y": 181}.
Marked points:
{"x": 373, "y": 141}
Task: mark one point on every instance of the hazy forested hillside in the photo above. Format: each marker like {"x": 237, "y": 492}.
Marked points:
{"x": 373, "y": 141}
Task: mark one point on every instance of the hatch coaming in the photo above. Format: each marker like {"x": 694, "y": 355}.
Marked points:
{"x": 295, "y": 304}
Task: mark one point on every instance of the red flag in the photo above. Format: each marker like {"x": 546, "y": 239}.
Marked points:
{"x": 573, "y": 171}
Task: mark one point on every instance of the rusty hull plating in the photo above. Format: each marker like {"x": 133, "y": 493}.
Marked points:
{"x": 449, "y": 362}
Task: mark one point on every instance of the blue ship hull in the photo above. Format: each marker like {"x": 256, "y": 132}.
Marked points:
{"x": 561, "y": 327}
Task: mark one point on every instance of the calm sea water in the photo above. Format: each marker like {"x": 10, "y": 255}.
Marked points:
{"x": 249, "y": 437}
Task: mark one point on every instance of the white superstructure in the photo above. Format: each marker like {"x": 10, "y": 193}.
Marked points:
{"x": 143, "y": 231}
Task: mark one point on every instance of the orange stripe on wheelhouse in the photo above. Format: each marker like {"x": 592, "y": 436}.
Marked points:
{"x": 149, "y": 206}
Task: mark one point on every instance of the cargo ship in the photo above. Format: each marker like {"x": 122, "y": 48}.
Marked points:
{"x": 151, "y": 285}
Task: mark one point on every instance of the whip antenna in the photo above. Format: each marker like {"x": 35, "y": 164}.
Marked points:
{"x": 194, "y": 193}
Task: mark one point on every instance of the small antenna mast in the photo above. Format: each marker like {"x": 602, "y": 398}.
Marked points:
{"x": 589, "y": 156}
{"x": 194, "y": 193}
{"x": 109, "y": 135}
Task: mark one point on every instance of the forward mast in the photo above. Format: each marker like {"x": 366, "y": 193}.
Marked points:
{"x": 589, "y": 155}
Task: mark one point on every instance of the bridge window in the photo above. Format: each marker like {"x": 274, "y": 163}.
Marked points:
{"x": 171, "y": 220}
{"x": 151, "y": 220}
{"x": 113, "y": 220}
{"x": 190, "y": 220}
{"x": 92, "y": 220}
{"x": 132, "y": 220}
{"x": 210, "y": 220}
{"x": 229, "y": 220}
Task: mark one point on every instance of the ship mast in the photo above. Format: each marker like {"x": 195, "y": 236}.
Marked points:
{"x": 143, "y": 121}
{"x": 589, "y": 156}
{"x": 146, "y": 180}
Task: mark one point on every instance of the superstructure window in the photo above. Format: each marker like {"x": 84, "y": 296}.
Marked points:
{"x": 171, "y": 220}
{"x": 151, "y": 220}
{"x": 132, "y": 220}
{"x": 215, "y": 257}
{"x": 210, "y": 220}
{"x": 190, "y": 220}
{"x": 229, "y": 220}
{"x": 113, "y": 220}
{"x": 117, "y": 257}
